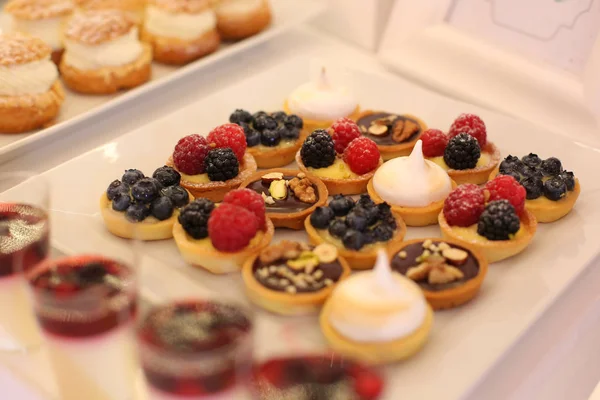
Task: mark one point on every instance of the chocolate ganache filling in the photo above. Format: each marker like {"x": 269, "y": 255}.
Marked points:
{"x": 290, "y": 204}
{"x": 387, "y": 138}
{"x": 278, "y": 276}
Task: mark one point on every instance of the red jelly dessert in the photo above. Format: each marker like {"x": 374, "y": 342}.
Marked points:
{"x": 314, "y": 378}
{"x": 195, "y": 348}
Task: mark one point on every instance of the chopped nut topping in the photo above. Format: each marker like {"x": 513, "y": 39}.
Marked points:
{"x": 263, "y": 272}
{"x": 291, "y": 289}
{"x": 404, "y": 129}
{"x": 301, "y": 175}
{"x": 282, "y": 249}
{"x": 306, "y": 258}
{"x": 363, "y": 129}
{"x": 284, "y": 282}
{"x": 455, "y": 256}
{"x": 269, "y": 200}
{"x": 272, "y": 176}
{"x": 303, "y": 189}
{"x": 378, "y": 130}
{"x": 272, "y": 269}
{"x": 443, "y": 246}
{"x": 435, "y": 270}
{"x": 328, "y": 282}
{"x": 402, "y": 255}
{"x": 326, "y": 252}
{"x": 318, "y": 274}
{"x": 278, "y": 189}
{"x": 427, "y": 243}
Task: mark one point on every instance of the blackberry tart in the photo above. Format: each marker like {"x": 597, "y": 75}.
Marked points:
{"x": 144, "y": 208}
{"x": 551, "y": 190}
{"x": 292, "y": 278}
{"x": 358, "y": 229}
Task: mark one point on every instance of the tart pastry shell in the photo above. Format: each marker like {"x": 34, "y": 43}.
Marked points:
{"x": 239, "y": 26}
{"x": 175, "y": 51}
{"x": 313, "y": 124}
{"x": 478, "y": 175}
{"x": 277, "y": 156}
{"x": 292, "y": 220}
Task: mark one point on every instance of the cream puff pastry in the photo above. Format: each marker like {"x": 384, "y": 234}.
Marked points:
{"x": 134, "y": 8}
{"x": 238, "y": 19}
{"x": 103, "y": 53}
{"x": 30, "y": 93}
{"x": 180, "y": 31}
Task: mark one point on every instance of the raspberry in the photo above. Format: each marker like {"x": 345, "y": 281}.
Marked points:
{"x": 190, "y": 153}
{"x": 471, "y": 124}
{"x": 250, "y": 200}
{"x": 343, "y": 131}
{"x": 231, "y": 228}
{"x": 464, "y": 205}
{"x": 505, "y": 187}
{"x": 434, "y": 142}
{"x": 229, "y": 135}
{"x": 362, "y": 155}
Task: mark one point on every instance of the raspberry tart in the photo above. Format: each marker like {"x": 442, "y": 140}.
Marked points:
{"x": 492, "y": 220}
{"x": 273, "y": 139}
{"x": 290, "y": 196}
{"x": 450, "y": 274}
{"x": 551, "y": 190}
{"x": 219, "y": 238}
{"x": 377, "y": 316}
{"x": 212, "y": 166}
{"x": 413, "y": 186}
{"x": 292, "y": 278}
{"x": 357, "y": 229}
{"x": 345, "y": 167}
{"x": 395, "y": 134}
{"x": 143, "y": 208}
{"x": 464, "y": 152}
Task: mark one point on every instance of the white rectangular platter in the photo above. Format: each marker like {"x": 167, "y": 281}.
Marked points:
{"x": 78, "y": 108}
{"x": 465, "y": 343}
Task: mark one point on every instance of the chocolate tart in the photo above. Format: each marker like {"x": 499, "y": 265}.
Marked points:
{"x": 290, "y": 212}
{"x": 478, "y": 175}
{"x": 493, "y": 250}
{"x": 216, "y": 190}
{"x": 313, "y": 124}
{"x": 263, "y": 281}
{"x": 442, "y": 295}
{"x": 388, "y": 147}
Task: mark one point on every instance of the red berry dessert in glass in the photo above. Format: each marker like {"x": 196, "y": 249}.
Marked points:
{"x": 85, "y": 306}
{"x": 195, "y": 348}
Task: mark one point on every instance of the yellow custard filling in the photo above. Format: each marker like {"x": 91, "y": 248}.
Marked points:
{"x": 207, "y": 244}
{"x": 470, "y": 234}
{"x": 282, "y": 145}
{"x": 338, "y": 170}
{"x": 200, "y": 178}
{"x": 483, "y": 161}
{"x": 324, "y": 233}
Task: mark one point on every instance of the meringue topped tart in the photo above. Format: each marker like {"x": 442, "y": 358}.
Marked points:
{"x": 377, "y": 316}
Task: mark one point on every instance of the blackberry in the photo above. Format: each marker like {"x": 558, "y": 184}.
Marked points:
{"x": 551, "y": 166}
{"x": 121, "y": 202}
{"x": 258, "y": 114}
{"x": 116, "y": 188}
{"x": 337, "y": 228}
{"x": 240, "y": 115}
{"x": 365, "y": 201}
{"x": 252, "y": 138}
{"x": 145, "y": 190}
{"x": 462, "y": 152}
{"x": 279, "y": 116}
{"x": 194, "y": 218}
{"x": 321, "y": 217}
{"x": 221, "y": 164}
{"x": 270, "y": 137}
{"x": 137, "y": 212}
{"x": 317, "y": 150}
{"x": 167, "y": 176}
{"x": 534, "y": 187}
{"x": 178, "y": 195}
{"x": 265, "y": 122}
{"x": 353, "y": 240}
{"x": 293, "y": 121}
{"x": 162, "y": 208}
{"x": 514, "y": 174}
{"x": 357, "y": 220}
{"x": 532, "y": 160}
{"x": 131, "y": 176}
{"x": 383, "y": 233}
{"x": 498, "y": 221}
{"x": 569, "y": 178}
{"x": 510, "y": 163}
{"x": 555, "y": 189}
{"x": 288, "y": 134}
{"x": 385, "y": 215}
{"x": 341, "y": 205}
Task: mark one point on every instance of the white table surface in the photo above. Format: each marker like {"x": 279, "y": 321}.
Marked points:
{"x": 558, "y": 358}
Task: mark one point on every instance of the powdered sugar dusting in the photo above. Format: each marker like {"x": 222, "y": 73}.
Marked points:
{"x": 39, "y": 9}
{"x": 16, "y": 48}
{"x": 95, "y": 27}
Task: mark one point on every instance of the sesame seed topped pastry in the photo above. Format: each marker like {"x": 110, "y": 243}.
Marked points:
{"x": 134, "y": 8}
{"x": 238, "y": 19}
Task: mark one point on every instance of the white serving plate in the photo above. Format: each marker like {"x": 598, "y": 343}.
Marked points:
{"x": 78, "y": 108}
{"x": 465, "y": 343}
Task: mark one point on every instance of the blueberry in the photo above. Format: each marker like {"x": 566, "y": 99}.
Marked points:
{"x": 569, "y": 178}
{"x": 293, "y": 121}
{"x": 514, "y": 174}
{"x": 369, "y": 237}
{"x": 178, "y": 195}
{"x": 529, "y": 172}
{"x": 321, "y": 217}
{"x": 337, "y": 228}
{"x": 365, "y": 201}
{"x": 252, "y": 138}
{"x": 240, "y": 115}
{"x": 341, "y": 205}
{"x": 121, "y": 202}
{"x": 353, "y": 240}
{"x": 371, "y": 213}
{"x": 167, "y": 176}
{"x": 357, "y": 221}
{"x": 270, "y": 137}
{"x": 383, "y": 233}
{"x": 279, "y": 116}
{"x": 532, "y": 160}
{"x": 551, "y": 166}
{"x": 258, "y": 114}
{"x": 137, "y": 212}
{"x": 263, "y": 123}
{"x": 131, "y": 176}
{"x": 116, "y": 188}
{"x": 510, "y": 163}
{"x": 534, "y": 187}
{"x": 162, "y": 208}
{"x": 289, "y": 133}
{"x": 145, "y": 190}
{"x": 555, "y": 188}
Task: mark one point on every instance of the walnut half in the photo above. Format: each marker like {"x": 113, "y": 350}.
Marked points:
{"x": 303, "y": 189}
{"x": 404, "y": 129}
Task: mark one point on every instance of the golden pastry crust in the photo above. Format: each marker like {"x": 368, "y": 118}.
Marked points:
{"x": 57, "y": 56}
{"x": 375, "y": 353}
{"x": 38, "y": 9}
{"x": 413, "y": 216}
{"x": 126, "y": 5}
{"x": 313, "y": 124}
{"x": 17, "y": 49}
{"x": 215, "y": 191}
{"x": 109, "y": 79}
{"x": 20, "y": 114}
{"x": 234, "y": 26}
{"x": 182, "y": 6}
{"x": 478, "y": 175}
{"x": 456, "y": 296}
{"x": 98, "y": 26}
{"x": 359, "y": 260}
{"x": 175, "y": 51}
{"x": 401, "y": 149}
{"x": 293, "y": 220}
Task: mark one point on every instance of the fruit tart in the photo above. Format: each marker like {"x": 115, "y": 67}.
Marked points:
{"x": 345, "y": 167}
{"x": 292, "y": 278}
{"x": 376, "y": 316}
{"x": 449, "y": 273}
{"x": 357, "y": 229}
{"x": 212, "y": 166}
{"x": 464, "y": 152}
{"x": 551, "y": 190}
{"x": 315, "y": 377}
{"x": 144, "y": 208}
{"x": 413, "y": 186}
{"x": 395, "y": 134}
{"x": 273, "y": 139}
{"x": 493, "y": 220}
{"x": 219, "y": 238}
{"x": 290, "y": 195}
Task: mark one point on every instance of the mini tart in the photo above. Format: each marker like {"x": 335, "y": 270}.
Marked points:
{"x": 546, "y": 210}
{"x": 413, "y": 216}
{"x": 234, "y": 26}
{"x": 278, "y": 156}
{"x": 216, "y": 190}
{"x": 201, "y": 253}
{"x": 493, "y": 250}
{"x": 447, "y": 295}
{"x": 175, "y": 51}
{"x": 365, "y": 257}
{"x": 346, "y": 186}
{"x": 291, "y": 220}
{"x": 478, "y": 175}
{"x": 394, "y": 149}
{"x": 281, "y": 301}
{"x": 313, "y": 124}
